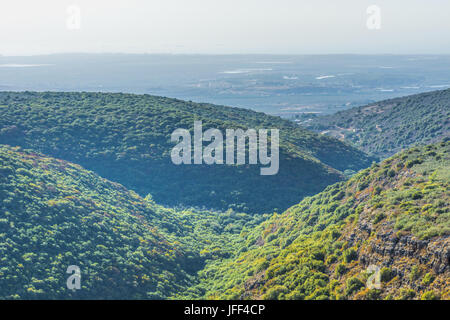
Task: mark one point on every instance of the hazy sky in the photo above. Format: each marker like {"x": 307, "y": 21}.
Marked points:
{"x": 223, "y": 26}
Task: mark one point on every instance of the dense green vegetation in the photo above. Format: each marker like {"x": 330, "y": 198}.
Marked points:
{"x": 54, "y": 214}
{"x": 394, "y": 215}
{"x": 126, "y": 138}
{"x": 385, "y": 128}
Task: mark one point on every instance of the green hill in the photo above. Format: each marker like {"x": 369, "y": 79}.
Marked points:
{"x": 386, "y": 127}
{"x": 394, "y": 216}
{"x": 126, "y": 138}
{"x": 54, "y": 214}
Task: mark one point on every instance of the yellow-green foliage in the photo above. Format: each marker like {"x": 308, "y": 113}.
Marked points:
{"x": 305, "y": 253}
{"x": 126, "y": 138}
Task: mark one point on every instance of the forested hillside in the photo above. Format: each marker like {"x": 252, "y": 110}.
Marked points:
{"x": 386, "y": 127}
{"x": 393, "y": 216}
{"x": 126, "y": 138}
{"x": 54, "y": 214}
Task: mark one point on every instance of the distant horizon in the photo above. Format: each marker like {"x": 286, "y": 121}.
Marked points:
{"x": 224, "y": 27}
{"x": 222, "y": 54}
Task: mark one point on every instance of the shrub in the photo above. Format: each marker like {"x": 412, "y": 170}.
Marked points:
{"x": 340, "y": 269}
{"x": 377, "y": 190}
{"x": 415, "y": 273}
{"x": 380, "y": 216}
{"x": 275, "y": 292}
{"x": 373, "y": 294}
{"x": 416, "y": 195}
{"x": 350, "y": 255}
{"x": 411, "y": 163}
{"x": 427, "y": 279}
{"x": 331, "y": 259}
{"x": 295, "y": 295}
{"x": 353, "y": 285}
{"x": 430, "y": 295}
{"x": 363, "y": 185}
{"x": 406, "y": 294}
{"x": 385, "y": 274}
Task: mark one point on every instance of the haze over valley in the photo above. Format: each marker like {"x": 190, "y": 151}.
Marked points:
{"x": 285, "y": 85}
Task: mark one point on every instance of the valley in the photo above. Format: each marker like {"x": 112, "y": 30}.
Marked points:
{"x": 86, "y": 180}
{"x": 126, "y": 138}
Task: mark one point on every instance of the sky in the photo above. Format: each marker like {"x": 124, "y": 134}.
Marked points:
{"x": 30, "y": 27}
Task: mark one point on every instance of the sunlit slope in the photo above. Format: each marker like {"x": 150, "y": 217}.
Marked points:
{"x": 54, "y": 214}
